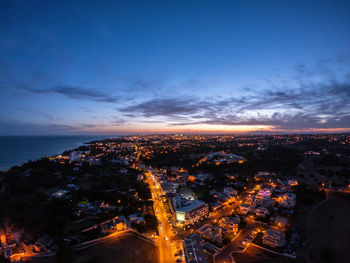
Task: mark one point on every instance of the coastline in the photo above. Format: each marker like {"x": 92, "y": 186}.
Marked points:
{"x": 17, "y": 150}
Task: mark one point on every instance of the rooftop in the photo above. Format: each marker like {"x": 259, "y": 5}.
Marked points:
{"x": 188, "y": 206}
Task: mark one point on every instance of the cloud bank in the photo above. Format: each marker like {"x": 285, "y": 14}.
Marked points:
{"x": 78, "y": 93}
{"x": 318, "y": 106}
{"x": 316, "y": 98}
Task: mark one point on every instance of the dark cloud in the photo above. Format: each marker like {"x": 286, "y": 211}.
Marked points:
{"x": 89, "y": 126}
{"x": 77, "y": 93}
{"x": 298, "y": 121}
{"x": 117, "y": 121}
{"x": 305, "y": 107}
{"x": 166, "y": 107}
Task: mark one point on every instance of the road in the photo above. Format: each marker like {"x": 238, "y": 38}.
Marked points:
{"x": 166, "y": 251}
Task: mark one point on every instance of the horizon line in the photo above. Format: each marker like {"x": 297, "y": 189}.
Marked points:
{"x": 180, "y": 133}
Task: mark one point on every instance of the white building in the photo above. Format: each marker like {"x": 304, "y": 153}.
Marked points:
{"x": 74, "y": 156}
{"x": 189, "y": 211}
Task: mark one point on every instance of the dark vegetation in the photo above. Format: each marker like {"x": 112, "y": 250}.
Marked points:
{"x": 26, "y": 196}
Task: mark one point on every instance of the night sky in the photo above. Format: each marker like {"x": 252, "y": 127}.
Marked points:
{"x": 123, "y": 67}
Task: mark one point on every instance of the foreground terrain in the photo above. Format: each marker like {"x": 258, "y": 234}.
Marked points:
{"x": 329, "y": 231}
{"x": 119, "y": 250}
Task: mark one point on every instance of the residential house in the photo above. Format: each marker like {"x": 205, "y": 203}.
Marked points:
{"x": 281, "y": 221}
{"x": 211, "y": 233}
{"x": 288, "y": 200}
{"x": 230, "y": 223}
{"x": 229, "y": 191}
{"x": 274, "y": 238}
{"x": 261, "y": 211}
{"x": 244, "y": 209}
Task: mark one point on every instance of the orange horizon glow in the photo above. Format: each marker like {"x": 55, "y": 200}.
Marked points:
{"x": 164, "y": 128}
{"x": 206, "y": 129}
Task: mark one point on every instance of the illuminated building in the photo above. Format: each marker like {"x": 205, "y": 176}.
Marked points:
{"x": 274, "y": 238}
{"x": 288, "y": 200}
{"x": 281, "y": 221}
{"x": 230, "y": 191}
{"x": 261, "y": 211}
{"x": 244, "y": 209}
{"x": 189, "y": 211}
{"x": 74, "y": 156}
{"x": 231, "y": 224}
{"x": 211, "y": 233}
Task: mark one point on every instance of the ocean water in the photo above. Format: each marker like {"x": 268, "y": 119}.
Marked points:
{"x": 16, "y": 150}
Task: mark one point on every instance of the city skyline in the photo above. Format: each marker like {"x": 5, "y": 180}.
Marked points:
{"x": 174, "y": 67}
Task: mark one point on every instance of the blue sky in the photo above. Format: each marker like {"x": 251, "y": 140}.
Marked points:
{"x": 87, "y": 67}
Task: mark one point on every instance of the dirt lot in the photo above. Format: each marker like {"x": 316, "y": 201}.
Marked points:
{"x": 329, "y": 231}
{"x": 125, "y": 249}
{"x": 257, "y": 255}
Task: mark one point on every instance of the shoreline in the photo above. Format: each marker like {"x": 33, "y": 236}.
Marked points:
{"x": 37, "y": 147}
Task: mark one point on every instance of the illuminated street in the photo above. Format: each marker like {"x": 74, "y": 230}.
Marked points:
{"x": 165, "y": 234}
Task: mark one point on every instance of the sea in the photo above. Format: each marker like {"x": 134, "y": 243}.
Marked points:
{"x": 16, "y": 150}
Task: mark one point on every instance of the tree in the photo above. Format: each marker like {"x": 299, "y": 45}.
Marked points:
{"x": 151, "y": 222}
{"x": 140, "y": 227}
